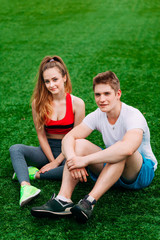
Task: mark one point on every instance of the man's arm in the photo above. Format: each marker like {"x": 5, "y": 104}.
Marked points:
{"x": 113, "y": 154}
{"x": 68, "y": 143}
{"x": 68, "y": 149}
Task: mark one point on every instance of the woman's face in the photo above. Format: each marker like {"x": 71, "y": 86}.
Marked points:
{"x": 54, "y": 81}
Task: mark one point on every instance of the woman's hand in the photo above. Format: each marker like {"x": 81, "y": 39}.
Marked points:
{"x": 49, "y": 166}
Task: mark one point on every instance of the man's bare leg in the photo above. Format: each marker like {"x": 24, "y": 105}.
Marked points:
{"x": 83, "y": 147}
{"x": 128, "y": 169}
{"x": 107, "y": 178}
{"x": 68, "y": 184}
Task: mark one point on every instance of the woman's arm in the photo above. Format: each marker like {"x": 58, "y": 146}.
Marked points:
{"x": 79, "y": 114}
{"x": 78, "y": 110}
{"x": 42, "y": 138}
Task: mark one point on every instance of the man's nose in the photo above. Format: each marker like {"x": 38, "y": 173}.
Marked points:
{"x": 102, "y": 98}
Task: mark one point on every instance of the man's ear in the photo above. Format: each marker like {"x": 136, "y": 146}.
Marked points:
{"x": 119, "y": 93}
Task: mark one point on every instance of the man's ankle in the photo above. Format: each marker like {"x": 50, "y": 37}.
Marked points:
{"x": 64, "y": 199}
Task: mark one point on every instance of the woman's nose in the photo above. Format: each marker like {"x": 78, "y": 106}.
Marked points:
{"x": 51, "y": 83}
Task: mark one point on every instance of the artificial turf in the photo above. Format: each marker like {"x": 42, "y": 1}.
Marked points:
{"x": 91, "y": 37}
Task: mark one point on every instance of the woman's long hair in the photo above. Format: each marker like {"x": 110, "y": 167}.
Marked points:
{"x": 41, "y": 97}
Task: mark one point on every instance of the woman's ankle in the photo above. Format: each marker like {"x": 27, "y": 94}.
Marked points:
{"x": 25, "y": 183}
{"x": 37, "y": 175}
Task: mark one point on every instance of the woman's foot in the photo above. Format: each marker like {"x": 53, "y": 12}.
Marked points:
{"x": 27, "y": 193}
{"x": 32, "y": 173}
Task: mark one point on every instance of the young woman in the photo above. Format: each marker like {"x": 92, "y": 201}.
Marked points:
{"x": 55, "y": 112}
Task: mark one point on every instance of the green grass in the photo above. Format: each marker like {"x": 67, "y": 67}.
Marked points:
{"x": 91, "y": 37}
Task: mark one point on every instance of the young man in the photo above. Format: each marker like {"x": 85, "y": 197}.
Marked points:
{"x": 127, "y": 161}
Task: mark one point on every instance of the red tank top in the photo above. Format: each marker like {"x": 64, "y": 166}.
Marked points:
{"x": 64, "y": 125}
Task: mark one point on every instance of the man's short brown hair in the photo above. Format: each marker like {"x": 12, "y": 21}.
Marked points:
{"x": 107, "y": 78}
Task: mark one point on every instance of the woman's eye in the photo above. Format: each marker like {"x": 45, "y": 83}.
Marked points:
{"x": 46, "y": 81}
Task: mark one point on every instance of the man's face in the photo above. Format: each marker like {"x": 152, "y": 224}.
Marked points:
{"x": 105, "y": 97}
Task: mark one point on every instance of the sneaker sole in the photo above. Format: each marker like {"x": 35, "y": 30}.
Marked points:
{"x": 44, "y": 213}
{"x": 14, "y": 176}
{"x": 79, "y": 214}
{"x": 29, "y": 198}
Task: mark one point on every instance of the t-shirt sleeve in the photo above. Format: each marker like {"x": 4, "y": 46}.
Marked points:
{"x": 136, "y": 120}
{"x": 91, "y": 120}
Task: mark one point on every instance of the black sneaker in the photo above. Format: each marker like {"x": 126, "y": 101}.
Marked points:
{"x": 52, "y": 207}
{"x": 83, "y": 209}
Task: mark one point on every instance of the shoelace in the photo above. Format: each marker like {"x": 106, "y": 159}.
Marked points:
{"x": 51, "y": 199}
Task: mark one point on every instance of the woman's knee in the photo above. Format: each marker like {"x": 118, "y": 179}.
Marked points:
{"x": 16, "y": 147}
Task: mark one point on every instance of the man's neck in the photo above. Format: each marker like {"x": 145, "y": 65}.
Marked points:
{"x": 114, "y": 114}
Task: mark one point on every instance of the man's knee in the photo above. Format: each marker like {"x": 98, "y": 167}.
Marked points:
{"x": 80, "y": 147}
{"x": 134, "y": 160}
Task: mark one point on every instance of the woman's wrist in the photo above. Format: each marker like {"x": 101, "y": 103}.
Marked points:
{"x": 52, "y": 160}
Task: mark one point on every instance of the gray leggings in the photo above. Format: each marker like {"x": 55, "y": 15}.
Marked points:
{"x": 23, "y": 156}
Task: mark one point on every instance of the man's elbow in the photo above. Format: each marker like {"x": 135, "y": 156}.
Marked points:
{"x": 64, "y": 140}
{"x": 128, "y": 150}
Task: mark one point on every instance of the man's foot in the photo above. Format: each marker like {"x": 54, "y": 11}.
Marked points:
{"x": 32, "y": 173}
{"x": 53, "y": 207}
{"x": 27, "y": 193}
{"x": 83, "y": 209}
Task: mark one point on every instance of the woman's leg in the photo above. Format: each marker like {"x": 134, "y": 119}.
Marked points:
{"x": 56, "y": 173}
{"x": 22, "y": 155}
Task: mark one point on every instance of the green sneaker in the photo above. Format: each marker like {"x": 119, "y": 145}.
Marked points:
{"x": 27, "y": 193}
{"x": 32, "y": 172}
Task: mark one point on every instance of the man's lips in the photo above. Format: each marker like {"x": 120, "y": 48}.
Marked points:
{"x": 103, "y": 105}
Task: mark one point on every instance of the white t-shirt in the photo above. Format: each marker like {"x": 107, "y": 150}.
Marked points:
{"x": 129, "y": 118}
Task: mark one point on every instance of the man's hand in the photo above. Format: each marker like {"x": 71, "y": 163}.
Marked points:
{"x": 49, "y": 166}
{"x": 76, "y": 162}
{"x": 80, "y": 174}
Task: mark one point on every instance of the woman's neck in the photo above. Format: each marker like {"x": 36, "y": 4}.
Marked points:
{"x": 59, "y": 96}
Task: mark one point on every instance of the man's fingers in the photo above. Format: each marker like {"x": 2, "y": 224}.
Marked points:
{"x": 72, "y": 174}
{"x": 69, "y": 164}
{"x": 75, "y": 174}
{"x": 80, "y": 175}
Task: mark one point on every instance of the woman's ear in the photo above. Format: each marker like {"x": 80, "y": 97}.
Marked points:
{"x": 65, "y": 78}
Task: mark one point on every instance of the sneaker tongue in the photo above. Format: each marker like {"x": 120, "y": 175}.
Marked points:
{"x": 53, "y": 196}
{"x": 86, "y": 204}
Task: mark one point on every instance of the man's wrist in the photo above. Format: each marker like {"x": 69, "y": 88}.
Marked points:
{"x": 70, "y": 157}
{"x": 85, "y": 160}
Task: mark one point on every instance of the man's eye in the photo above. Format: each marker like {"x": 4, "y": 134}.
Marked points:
{"x": 97, "y": 94}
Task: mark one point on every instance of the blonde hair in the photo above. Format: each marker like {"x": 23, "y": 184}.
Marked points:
{"x": 41, "y": 97}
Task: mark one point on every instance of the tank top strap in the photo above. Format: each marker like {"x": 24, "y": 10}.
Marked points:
{"x": 69, "y": 105}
